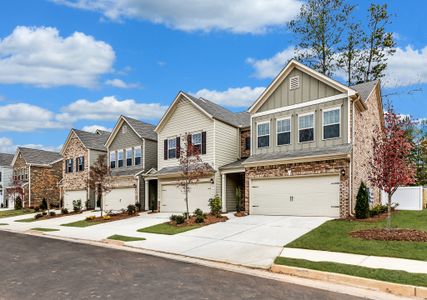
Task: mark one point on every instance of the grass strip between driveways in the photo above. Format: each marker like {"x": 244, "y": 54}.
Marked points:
{"x": 3, "y": 224}
{"x": 81, "y": 223}
{"x": 44, "y": 229}
{"x": 166, "y": 228}
{"x": 124, "y": 238}
{"x": 28, "y": 220}
{"x": 334, "y": 236}
{"x": 394, "y": 276}
{"x": 15, "y": 212}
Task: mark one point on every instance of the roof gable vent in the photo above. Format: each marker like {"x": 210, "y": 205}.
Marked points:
{"x": 294, "y": 83}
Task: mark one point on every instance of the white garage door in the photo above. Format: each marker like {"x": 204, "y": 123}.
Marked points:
{"x": 118, "y": 199}
{"x": 70, "y": 196}
{"x": 301, "y": 196}
{"x": 173, "y": 199}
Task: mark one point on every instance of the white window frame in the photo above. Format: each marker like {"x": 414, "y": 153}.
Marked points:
{"x": 290, "y": 130}
{"x": 176, "y": 153}
{"x": 118, "y": 158}
{"x": 126, "y": 157}
{"x": 323, "y": 122}
{"x": 192, "y": 142}
{"x": 115, "y": 159}
{"x": 134, "y": 155}
{"x": 314, "y": 126}
{"x": 269, "y": 133}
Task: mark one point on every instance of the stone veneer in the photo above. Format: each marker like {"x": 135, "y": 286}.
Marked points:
{"x": 45, "y": 184}
{"x": 75, "y": 181}
{"x": 244, "y": 133}
{"x": 306, "y": 168}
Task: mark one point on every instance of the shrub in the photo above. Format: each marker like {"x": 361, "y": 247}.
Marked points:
{"x": 377, "y": 210}
{"x": 43, "y": 205}
{"x": 64, "y": 211}
{"x": 52, "y": 213}
{"x": 38, "y": 216}
{"x": 362, "y": 202}
{"x": 107, "y": 217}
{"x": 131, "y": 209}
{"x": 215, "y": 205}
{"x": 90, "y": 218}
{"x": 198, "y": 212}
{"x": 36, "y": 209}
{"x": 200, "y": 219}
{"x": 98, "y": 202}
{"x": 77, "y": 206}
{"x": 18, "y": 203}
{"x": 173, "y": 218}
{"x": 239, "y": 205}
{"x": 44, "y": 213}
{"x": 138, "y": 206}
{"x": 180, "y": 219}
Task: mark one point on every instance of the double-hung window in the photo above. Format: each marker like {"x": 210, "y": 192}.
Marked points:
{"x": 331, "y": 123}
{"x": 112, "y": 160}
{"x": 129, "y": 157}
{"x": 172, "y": 148}
{"x": 137, "y": 155}
{"x": 196, "y": 141}
{"x": 69, "y": 165}
{"x": 80, "y": 164}
{"x": 263, "y": 134}
{"x": 284, "y": 131}
{"x": 120, "y": 158}
{"x": 306, "y": 128}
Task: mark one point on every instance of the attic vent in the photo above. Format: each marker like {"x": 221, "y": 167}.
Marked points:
{"x": 124, "y": 129}
{"x": 294, "y": 83}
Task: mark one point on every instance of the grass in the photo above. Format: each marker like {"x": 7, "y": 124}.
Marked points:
{"x": 3, "y": 224}
{"x": 44, "y": 229}
{"x": 334, "y": 236}
{"x": 166, "y": 228}
{"x": 401, "y": 277}
{"x": 124, "y": 238}
{"x": 28, "y": 220}
{"x": 82, "y": 223}
{"x": 15, "y": 212}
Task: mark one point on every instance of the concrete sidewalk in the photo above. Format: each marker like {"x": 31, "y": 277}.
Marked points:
{"x": 389, "y": 263}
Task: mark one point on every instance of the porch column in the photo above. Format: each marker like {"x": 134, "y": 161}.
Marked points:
{"x": 223, "y": 192}
{"x": 146, "y": 194}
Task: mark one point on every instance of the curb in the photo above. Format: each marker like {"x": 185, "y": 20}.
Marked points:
{"x": 387, "y": 287}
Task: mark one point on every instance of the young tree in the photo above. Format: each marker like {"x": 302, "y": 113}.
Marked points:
{"x": 362, "y": 202}
{"x": 378, "y": 44}
{"x": 51, "y": 183}
{"x": 391, "y": 165}
{"x": 319, "y": 28}
{"x": 191, "y": 166}
{"x": 100, "y": 178}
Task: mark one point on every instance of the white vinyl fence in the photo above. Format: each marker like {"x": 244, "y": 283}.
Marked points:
{"x": 408, "y": 197}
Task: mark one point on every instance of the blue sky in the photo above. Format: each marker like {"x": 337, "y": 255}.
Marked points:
{"x": 79, "y": 63}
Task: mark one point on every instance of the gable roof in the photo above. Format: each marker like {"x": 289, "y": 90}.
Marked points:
{"x": 92, "y": 141}
{"x": 365, "y": 89}
{"x": 142, "y": 130}
{"x": 212, "y": 110}
{"x": 37, "y": 156}
{"x": 6, "y": 159}
{"x": 285, "y": 72}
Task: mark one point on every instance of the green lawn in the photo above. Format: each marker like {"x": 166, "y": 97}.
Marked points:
{"x": 124, "y": 238}
{"x": 378, "y": 274}
{"x": 14, "y": 213}
{"x": 82, "y": 223}
{"x": 3, "y": 224}
{"x": 333, "y": 236}
{"x": 28, "y": 220}
{"x": 166, "y": 228}
{"x": 44, "y": 229}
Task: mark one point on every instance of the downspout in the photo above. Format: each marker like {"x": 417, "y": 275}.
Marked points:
{"x": 351, "y": 160}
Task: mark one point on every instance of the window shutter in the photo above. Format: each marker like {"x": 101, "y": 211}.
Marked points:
{"x": 72, "y": 165}
{"x": 204, "y": 142}
{"x": 178, "y": 147}
{"x": 77, "y": 164}
{"x": 83, "y": 162}
{"x": 165, "y": 149}
{"x": 66, "y": 165}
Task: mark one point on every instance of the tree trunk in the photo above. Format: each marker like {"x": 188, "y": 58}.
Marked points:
{"x": 389, "y": 211}
{"x": 101, "y": 201}
{"x": 186, "y": 201}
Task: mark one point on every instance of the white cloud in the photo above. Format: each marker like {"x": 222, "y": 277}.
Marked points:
{"x": 94, "y": 128}
{"x": 110, "y": 108}
{"x": 40, "y": 56}
{"x": 24, "y": 117}
{"x": 270, "y": 67}
{"x": 118, "y": 83}
{"x": 238, "y": 16}
{"x": 8, "y": 146}
{"x": 237, "y": 97}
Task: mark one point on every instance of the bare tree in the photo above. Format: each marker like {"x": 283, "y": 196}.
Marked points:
{"x": 100, "y": 178}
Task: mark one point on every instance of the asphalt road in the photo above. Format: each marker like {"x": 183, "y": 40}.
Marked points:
{"x": 40, "y": 268}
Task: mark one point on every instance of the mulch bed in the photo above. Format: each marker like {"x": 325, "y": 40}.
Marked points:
{"x": 375, "y": 218}
{"x": 56, "y": 216}
{"x": 240, "y": 214}
{"x": 209, "y": 219}
{"x": 115, "y": 217}
{"x": 394, "y": 234}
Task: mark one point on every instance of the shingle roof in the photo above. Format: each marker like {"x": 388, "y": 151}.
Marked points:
{"x": 234, "y": 165}
{"x": 341, "y": 149}
{"x": 364, "y": 89}
{"x": 93, "y": 141}
{"x": 145, "y": 130}
{"x": 177, "y": 170}
{"x": 218, "y": 112}
{"x": 6, "y": 159}
{"x": 39, "y": 157}
{"x": 129, "y": 172}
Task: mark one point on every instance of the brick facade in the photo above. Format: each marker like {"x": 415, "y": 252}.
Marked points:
{"x": 45, "y": 184}
{"x": 244, "y": 133}
{"x": 304, "y": 169}
{"x": 75, "y": 181}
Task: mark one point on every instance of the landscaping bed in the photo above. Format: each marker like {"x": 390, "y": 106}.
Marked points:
{"x": 393, "y": 234}
{"x": 93, "y": 220}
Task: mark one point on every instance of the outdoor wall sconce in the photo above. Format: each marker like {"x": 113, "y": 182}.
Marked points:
{"x": 343, "y": 172}
{"x": 212, "y": 181}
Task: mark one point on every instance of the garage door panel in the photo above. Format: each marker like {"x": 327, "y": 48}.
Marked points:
{"x": 173, "y": 198}
{"x": 70, "y": 196}
{"x": 118, "y": 199}
{"x": 301, "y": 196}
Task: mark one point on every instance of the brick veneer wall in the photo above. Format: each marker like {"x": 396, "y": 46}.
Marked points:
{"x": 45, "y": 184}
{"x": 244, "y": 133}
{"x": 75, "y": 181}
{"x": 20, "y": 163}
{"x": 307, "y": 168}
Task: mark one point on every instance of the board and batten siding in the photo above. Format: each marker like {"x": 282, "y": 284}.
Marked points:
{"x": 310, "y": 89}
{"x": 185, "y": 119}
{"x": 125, "y": 140}
{"x": 318, "y": 142}
{"x": 150, "y": 154}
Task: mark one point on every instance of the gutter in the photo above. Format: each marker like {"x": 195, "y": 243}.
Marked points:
{"x": 297, "y": 159}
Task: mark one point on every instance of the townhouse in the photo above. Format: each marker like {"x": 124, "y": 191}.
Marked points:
{"x": 6, "y": 172}
{"x": 79, "y": 153}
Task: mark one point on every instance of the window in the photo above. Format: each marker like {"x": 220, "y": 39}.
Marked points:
{"x": 196, "y": 141}
{"x": 112, "y": 160}
{"x": 124, "y": 129}
{"x": 137, "y": 155}
{"x": 80, "y": 164}
{"x": 68, "y": 166}
{"x": 331, "y": 123}
{"x": 284, "y": 132}
{"x": 248, "y": 143}
{"x": 120, "y": 158}
{"x": 263, "y": 130}
{"x": 306, "y": 128}
{"x": 129, "y": 157}
{"x": 172, "y": 148}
